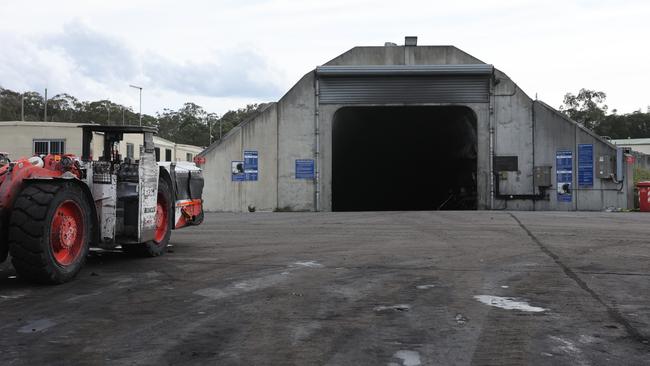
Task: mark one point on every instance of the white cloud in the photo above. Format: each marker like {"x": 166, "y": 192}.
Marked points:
{"x": 203, "y": 47}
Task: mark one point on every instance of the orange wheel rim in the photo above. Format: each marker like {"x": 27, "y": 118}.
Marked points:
{"x": 162, "y": 218}
{"x": 67, "y": 233}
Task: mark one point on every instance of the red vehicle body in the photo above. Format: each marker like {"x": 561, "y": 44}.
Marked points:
{"x": 53, "y": 209}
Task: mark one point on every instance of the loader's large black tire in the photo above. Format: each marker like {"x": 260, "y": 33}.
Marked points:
{"x": 49, "y": 232}
{"x": 4, "y": 245}
{"x": 164, "y": 222}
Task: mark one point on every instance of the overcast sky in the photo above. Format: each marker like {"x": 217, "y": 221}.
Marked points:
{"x": 225, "y": 54}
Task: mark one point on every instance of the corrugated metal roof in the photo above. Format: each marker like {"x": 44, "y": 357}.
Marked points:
{"x": 402, "y": 70}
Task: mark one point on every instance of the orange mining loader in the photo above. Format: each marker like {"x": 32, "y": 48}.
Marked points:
{"x": 54, "y": 208}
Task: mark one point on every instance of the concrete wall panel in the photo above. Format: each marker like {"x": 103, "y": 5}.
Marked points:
{"x": 296, "y": 140}
{"x": 220, "y": 192}
{"x": 514, "y": 137}
{"x": 554, "y": 132}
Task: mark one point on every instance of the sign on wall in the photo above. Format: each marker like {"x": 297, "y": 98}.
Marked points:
{"x": 237, "y": 171}
{"x": 564, "y": 175}
{"x": 304, "y": 168}
{"x": 251, "y": 165}
{"x": 585, "y": 165}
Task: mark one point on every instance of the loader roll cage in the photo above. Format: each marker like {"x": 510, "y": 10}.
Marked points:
{"x": 114, "y": 134}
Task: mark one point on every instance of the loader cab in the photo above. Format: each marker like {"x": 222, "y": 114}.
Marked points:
{"x": 125, "y": 189}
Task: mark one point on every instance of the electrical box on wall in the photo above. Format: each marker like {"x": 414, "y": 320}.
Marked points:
{"x": 605, "y": 167}
{"x": 506, "y": 164}
{"x": 543, "y": 176}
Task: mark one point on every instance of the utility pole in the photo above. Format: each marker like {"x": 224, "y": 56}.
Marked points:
{"x": 140, "y": 88}
{"x": 219, "y": 129}
{"x": 22, "y": 107}
{"x": 122, "y": 116}
{"x": 45, "y": 115}
{"x": 108, "y": 117}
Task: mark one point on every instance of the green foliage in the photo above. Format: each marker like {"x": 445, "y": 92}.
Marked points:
{"x": 640, "y": 175}
{"x": 631, "y": 125}
{"x": 589, "y": 109}
{"x": 190, "y": 124}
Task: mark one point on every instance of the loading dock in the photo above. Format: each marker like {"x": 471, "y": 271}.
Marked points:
{"x": 404, "y": 158}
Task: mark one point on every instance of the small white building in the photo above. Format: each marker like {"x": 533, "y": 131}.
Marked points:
{"x": 640, "y": 149}
{"x": 639, "y": 145}
{"x": 23, "y": 139}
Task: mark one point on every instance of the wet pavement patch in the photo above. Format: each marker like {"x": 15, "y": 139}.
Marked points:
{"x": 36, "y": 326}
{"x": 508, "y": 303}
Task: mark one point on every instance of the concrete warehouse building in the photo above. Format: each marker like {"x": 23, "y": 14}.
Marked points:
{"x": 411, "y": 128}
{"x": 23, "y": 139}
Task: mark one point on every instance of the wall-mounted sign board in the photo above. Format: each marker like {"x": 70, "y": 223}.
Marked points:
{"x": 564, "y": 175}
{"x": 304, "y": 168}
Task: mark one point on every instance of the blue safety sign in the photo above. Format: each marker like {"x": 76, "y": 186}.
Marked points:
{"x": 304, "y": 168}
{"x": 564, "y": 175}
{"x": 585, "y": 165}
{"x": 237, "y": 171}
{"x": 251, "y": 165}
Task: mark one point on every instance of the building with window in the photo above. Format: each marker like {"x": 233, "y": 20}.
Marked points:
{"x": 23, "y": 139}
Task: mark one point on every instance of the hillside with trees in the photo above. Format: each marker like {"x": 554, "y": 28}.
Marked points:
{"x": 190, "y": 124}
{"x": 589, "y": 109}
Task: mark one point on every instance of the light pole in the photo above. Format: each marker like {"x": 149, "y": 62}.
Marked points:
{"x": 139, "y": 88}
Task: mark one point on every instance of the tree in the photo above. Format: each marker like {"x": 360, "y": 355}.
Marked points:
{"x": 190, "y": 124}
{"x": 233, "y": 118}
{"x": 587, "y": 108}
{"x": 631, "y": 125}
{"x": 62, "y": 107}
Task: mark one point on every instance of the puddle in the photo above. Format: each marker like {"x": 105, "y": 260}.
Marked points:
{"x": 425, "y": 287}
{"x": 309, "y": 264}
{"x": 398, "y": 307}
{"x": 82, "y": 296}
{"x": 216, "y": 293}
{"x": 566, "y": 346}
{"x": 36, "y": 326}
{"x": 408, "y": 358}
{"x": 11, "y": 297}
{"x": 508, "y": 303}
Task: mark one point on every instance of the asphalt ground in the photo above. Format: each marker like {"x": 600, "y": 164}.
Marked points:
{"x": 371, "y": 288}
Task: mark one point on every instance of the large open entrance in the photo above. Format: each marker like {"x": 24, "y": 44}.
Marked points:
{"x": 404, "y": 158}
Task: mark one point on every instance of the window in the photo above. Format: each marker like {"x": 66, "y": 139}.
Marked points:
{"x": 157, "y": 150}
{"x": 168, "y": 155}
{"x": 188, "y": 156}
{"x": 46, "y": 147}
{"x": 129, "y": 150}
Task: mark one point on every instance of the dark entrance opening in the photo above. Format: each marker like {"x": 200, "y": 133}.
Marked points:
{"x": 404, "y": 158}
